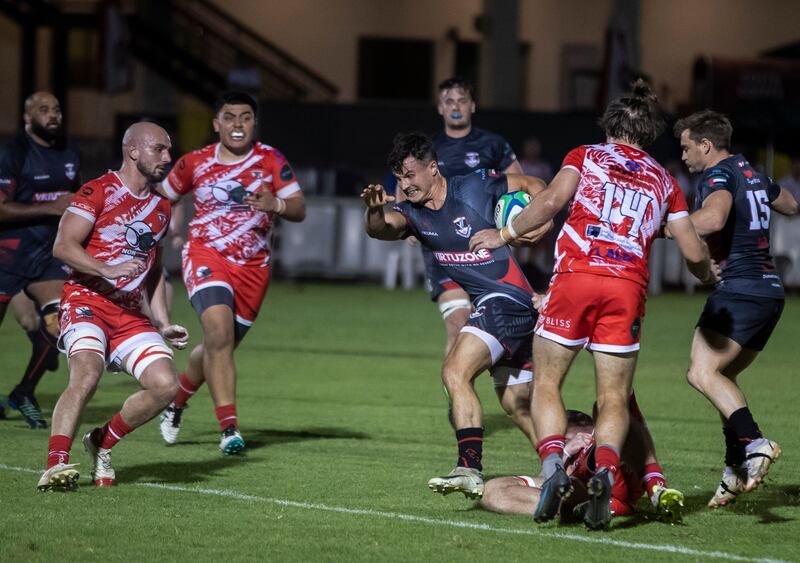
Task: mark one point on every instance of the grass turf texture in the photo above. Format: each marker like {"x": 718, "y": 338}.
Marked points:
{"x": 341, "y": 405}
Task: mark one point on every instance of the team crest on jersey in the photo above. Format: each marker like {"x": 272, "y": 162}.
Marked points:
{"x": 140, "y": 239}
{"x": 472, "y": 159}
{"x": 203, "y": 272}
{"x": 162, "y": 218}
{"x": 69, "y": 170}
{"x": 83, "y": 313}
{"x": 232, "y": 193}
{"x": 463, "y": 229}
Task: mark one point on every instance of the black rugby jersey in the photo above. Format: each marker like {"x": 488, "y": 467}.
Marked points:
{"x": 742, "y": 246}
{"x": 479, "y": 149}
{"x": 31, "y": 173}
{"x": 469, "y": 208}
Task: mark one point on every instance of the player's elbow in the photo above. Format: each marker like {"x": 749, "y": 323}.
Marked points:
{"x": 59, "y": 250}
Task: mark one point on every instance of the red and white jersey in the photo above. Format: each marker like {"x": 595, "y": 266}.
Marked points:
{"x": 221, "y": 219}
{"x": 623, "y": 198}
{"x": 126, "y": 227}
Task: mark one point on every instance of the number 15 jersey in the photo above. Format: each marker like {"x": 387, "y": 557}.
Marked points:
{"x": 623, "y": 198}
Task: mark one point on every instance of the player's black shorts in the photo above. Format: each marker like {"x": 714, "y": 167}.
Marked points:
{"x": 47, "y": 270}
{"x": 748, "y": 320}
{"x": 436, "y": 279}
{"x": 506, "y": 327}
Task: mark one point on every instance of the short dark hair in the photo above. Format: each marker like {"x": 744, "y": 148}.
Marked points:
{"x": 414, "y": 144}
{"x": 458, "y": 82}
{"x": 706, "y": 124}
{"x": 579, "y": 418}
{"x": 235, "y": 98}
{"x": 636, "y": 118}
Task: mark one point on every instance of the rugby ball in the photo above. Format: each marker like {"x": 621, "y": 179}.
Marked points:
{"x": 509, "y": 206}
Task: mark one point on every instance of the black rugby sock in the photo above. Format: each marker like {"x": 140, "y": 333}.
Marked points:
{"x": 470, "y": 447}
{"x": 745, "y": 427}
{"x": 44, "y": 356}
{"x": 734, "y": 449}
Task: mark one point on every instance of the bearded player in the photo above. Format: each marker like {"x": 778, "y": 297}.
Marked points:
{"x": 113, "y": 309}
{"x": 240, "y": 186}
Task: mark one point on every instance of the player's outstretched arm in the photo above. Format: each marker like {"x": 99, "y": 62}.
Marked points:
{"x": 379, "y": 223}
{"x": 694, "y": 250}
{"x": 72, "y": 231}
{"x": 785, "y": 204}
{"x": 15, "y": 212}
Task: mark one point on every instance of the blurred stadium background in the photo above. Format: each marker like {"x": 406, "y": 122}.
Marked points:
{"x": 336, "y": 80}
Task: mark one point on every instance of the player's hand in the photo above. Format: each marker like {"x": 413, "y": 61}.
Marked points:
{"x": 537, "y": 300}
{"x": 127, "y": 270}
{"x": 412, "y": 241}
{"x": 577, "y": 443}
{"x": 667, "y": 232}
{"x": 375, "y": 197}
{"x": 262, "y": 201}
{"x": 176, "y": 335}
{"x": 714, "y": 274}
{"x": 176, "y": 242}
{"x": 60, "y": 204}
{"x": 488, "y": 238}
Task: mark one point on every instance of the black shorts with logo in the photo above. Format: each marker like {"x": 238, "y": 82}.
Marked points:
{"x": 506, "y": 327}
{"x": 748, "y": 320}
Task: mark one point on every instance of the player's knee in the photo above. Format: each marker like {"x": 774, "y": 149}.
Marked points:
{"x": 163, "y": 385}
{"x": 29, "y": 321}
{"x": 50, "y": 321}
{"x": 452, "y": 376}
{"x": 696, "y": 376}
{"x": 218, "y": 337}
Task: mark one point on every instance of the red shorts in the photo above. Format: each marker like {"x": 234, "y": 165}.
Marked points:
{"x": 602, "y": 313}
{"x": 125, "y": 339}
{"x": 204, "y": 267}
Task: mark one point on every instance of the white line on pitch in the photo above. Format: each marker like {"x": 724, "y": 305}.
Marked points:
{"x": 450, "y": 523}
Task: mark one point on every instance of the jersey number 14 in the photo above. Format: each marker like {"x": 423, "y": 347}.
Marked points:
{"x": 634, "y": 205}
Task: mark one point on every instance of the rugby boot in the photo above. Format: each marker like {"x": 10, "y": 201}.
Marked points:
{"x": 29, "y": 408}
{"x": 170, "y": 424}
{"x": 668, "y": 504}
{"x": 597, "y": 515}
{"x": 232, "y": 442}
{"x": 62, "y": 477}
{"x": 558, "y": 486}
{"x": 102, "y": 470}
{"x": 2, "y": 412}
{"x": 464, "y": 480}
{"x": 732, "y": 483}
{"x": 759, "y": 455}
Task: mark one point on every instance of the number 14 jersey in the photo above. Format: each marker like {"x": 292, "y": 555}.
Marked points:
{"x": 623, "y": 198}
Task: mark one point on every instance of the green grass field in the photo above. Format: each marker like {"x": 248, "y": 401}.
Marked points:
{"x": 345, "y": 421}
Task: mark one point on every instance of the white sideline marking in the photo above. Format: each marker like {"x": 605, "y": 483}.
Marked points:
{"x": 450, "y": 523}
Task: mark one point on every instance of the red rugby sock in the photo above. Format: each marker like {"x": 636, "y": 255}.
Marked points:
{"x": 186, "y": 388}
{"x": 226, "y": 415}
{"x": 58, "y": 450}
{"x": 114, "y": 431}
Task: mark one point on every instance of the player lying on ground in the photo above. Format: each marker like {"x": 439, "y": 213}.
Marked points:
{"x": 442, "y": 213}
{"x": 640, "y": 474}
{"x": 109, "y": 237}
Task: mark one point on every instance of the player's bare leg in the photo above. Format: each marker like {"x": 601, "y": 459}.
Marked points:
{"x": 552, "y": 361}
{"x": 43, "y": 331}
{"x": 455, "y": 307}
{"x": 715, "y": 363}
{"x": 85, "y": 369}
{"x": 507, "y": 495}
{"x": 613, "y": 376}
{"x": 468, "y": 358}
{"x": 159, "y": 383}
{"x": 219, "y": 342}
{"x": 516, "y": 401}
{"x": 188, "y": 384}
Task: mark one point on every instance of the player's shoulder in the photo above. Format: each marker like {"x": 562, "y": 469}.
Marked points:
{"x": 725, "y": 172}
{"x": 269, "y": 152}
{"x": 478, "y": 178}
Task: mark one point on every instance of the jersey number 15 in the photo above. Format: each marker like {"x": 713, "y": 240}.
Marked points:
{"x": 759, "y": 209}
